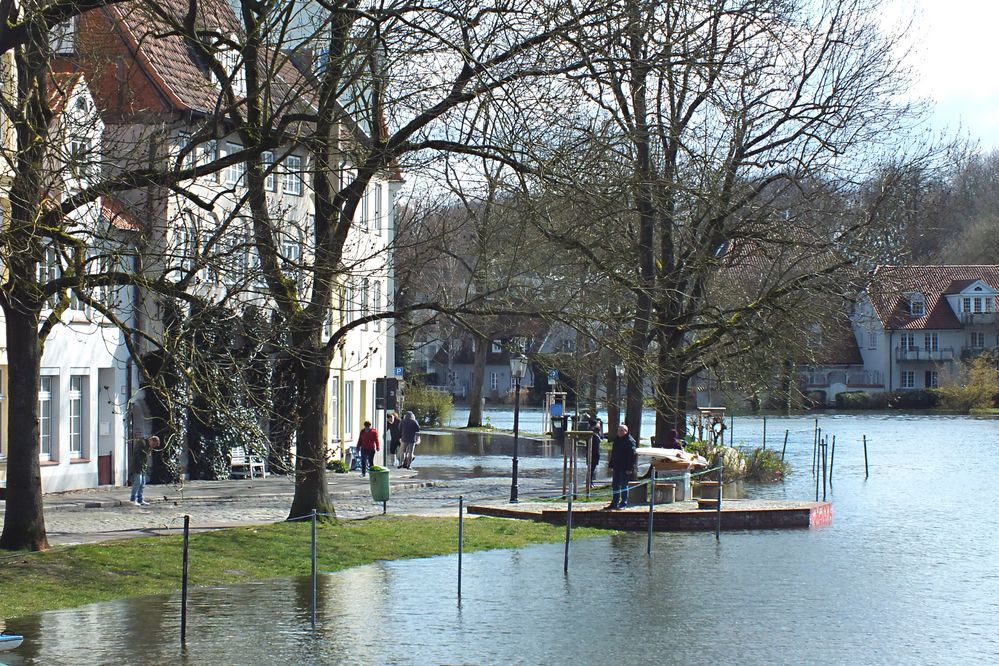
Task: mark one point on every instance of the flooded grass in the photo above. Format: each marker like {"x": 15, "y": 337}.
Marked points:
{"x": 76, "y": 575}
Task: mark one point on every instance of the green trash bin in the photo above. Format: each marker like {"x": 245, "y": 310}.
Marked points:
{"x": 379, "y": 484}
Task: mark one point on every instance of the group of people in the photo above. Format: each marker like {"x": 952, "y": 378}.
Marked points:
{"x": 403, "y": 436}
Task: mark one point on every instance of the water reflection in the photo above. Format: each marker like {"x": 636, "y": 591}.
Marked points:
{"x": 904, "y": 575}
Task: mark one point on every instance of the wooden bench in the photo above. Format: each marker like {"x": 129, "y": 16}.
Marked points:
{"x": 243, "y": 463}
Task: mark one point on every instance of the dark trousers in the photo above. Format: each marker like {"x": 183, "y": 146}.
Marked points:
{"x": 620, "y": 486}
{"x": 367, "y": 460}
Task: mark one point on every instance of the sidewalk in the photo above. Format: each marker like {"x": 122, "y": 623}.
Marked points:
{"x": 94, "y": 515}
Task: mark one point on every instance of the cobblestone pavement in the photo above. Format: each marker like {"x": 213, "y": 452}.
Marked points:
{"x": 90, "y": 516}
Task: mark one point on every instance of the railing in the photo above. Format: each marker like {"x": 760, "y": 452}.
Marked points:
{"x": 920, "y": 354}
{"x": 969, "y": 353}
{"x": 979, "y": 318}
{"x": 822, "y": 378}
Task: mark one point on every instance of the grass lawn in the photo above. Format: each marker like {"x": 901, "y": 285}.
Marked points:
{"x": 77, "y": 575}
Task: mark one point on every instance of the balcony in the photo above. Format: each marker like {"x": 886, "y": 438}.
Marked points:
{"x": 979, "y": 318}
{"x": 919, "y": 354}
{"x": 851, "y": 378}
{"x": 969, "y": 353}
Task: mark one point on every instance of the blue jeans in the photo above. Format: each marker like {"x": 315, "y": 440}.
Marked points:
{"x": 620, "y": 486}
{"x": 367, "y": 460}
{"x": 138, "y": 485}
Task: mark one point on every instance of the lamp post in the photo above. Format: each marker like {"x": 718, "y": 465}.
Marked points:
{"x": 619, "y": 371}
{"x": 518, "y": 368}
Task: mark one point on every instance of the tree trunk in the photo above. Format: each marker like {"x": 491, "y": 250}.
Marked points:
{"x": 24, "y": 519}
{"x": 475, "y": 389}
{"x": 311, "y": 491}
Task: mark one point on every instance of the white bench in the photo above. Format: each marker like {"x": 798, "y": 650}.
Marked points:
{"x": 243, "y": 463}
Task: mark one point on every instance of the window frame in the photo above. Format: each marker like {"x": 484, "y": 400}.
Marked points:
{"x": 47, "y": 440}
{"x": 907, "y": 379}
{"x": 292, "y": 182}
{"x": 77, "y": 406}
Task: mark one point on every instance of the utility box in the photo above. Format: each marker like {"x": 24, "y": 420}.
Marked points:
{"x": 387, "y": 393}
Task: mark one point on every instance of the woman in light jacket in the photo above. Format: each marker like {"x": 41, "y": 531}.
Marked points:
{"x": 410, "y": 438}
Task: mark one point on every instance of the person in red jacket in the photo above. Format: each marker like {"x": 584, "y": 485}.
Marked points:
{"x": 367, "y": 444}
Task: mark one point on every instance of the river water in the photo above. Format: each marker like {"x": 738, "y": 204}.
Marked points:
{"x": 907, "y": 573}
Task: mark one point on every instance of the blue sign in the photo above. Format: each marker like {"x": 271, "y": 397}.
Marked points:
{"x": 553, "y": 375}
{"x": 398, "y": 372}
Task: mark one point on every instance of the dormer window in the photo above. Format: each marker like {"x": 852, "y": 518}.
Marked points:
{"x": 917, "y": 305}
{"x": 62, "y": 38}
{"x": 231, "y": 60}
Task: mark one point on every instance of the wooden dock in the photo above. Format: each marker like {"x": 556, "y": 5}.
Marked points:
{"x": 736, "y": 514}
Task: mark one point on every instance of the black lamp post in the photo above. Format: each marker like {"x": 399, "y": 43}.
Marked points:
{"x": 619, "y": 371}
{"x": 518, "y": 368}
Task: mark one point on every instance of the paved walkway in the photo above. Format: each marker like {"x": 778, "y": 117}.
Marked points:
{"x": 93, "y": 515}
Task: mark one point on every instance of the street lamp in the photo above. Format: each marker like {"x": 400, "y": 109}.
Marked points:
{"x": 518, "y": 368}
{"x": 619, "y": 371}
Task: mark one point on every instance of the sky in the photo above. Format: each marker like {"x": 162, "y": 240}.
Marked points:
{"x": 957, "y": 65}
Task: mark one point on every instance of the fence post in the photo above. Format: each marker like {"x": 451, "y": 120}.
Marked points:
{"x": 313, "y": 569}
{"x": 832, "y": 460}
{"x": 786, "y": 433}
{"x": 461, "y": 537}
{"x": 721, "y": 491}
{"x": 825, "y": 455}
{"x": 764, "y": 432}
{"x": 866, "y": 474}
{"x": 568, "y": 528}
{"x": 652, "y": 507}
{"x": 183, "y": 581}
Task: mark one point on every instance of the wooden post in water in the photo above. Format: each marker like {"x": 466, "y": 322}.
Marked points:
{"x": 731, "y": 430}
{"x": 817, "y": 479}
{"x": 461, "y": 538}
{"x": 568, "y": 529}
{"x": 815, "y": 452}
{"x": 865, "y": 457}
{"x": 786, "y": 433}
{"x": 313, "y": 569}
{"x": 183, "y": 581}
{"x": 764, "y": 432}
{"x": 815, "y": 443}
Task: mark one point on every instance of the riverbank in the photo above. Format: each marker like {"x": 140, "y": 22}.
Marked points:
{"x": 76, "y": 575}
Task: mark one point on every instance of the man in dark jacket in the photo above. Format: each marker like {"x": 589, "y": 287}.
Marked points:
{"x": 622, "y": 464}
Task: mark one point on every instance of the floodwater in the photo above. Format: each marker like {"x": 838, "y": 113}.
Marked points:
{"x": 906, "y": 574}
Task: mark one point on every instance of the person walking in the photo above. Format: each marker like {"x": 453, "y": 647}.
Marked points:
{"x": 367, "y": 444}
{"x": 410, "y": 438}
{"x": 622, "y": 465}
{"x": 395, "y": 437}
{"x": 141, "y": 452}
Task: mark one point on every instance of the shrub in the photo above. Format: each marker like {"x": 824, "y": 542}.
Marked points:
{"x": 430, "y": 406}
{"x": 921, "y": 399}
{"x": 765, "y": 466}
{"x": 337, "y": 466}
{"x": 975, "y": 386}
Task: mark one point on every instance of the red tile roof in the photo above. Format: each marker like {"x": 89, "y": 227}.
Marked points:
{"x": 890, "y": 286}
{"x": 117, "y": 214}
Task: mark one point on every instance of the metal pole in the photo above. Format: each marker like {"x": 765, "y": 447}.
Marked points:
{"x": 832, "y": 459}
{"x": 815, "y": 443}
{"x": 731, "y": 431}
{"x": 815, "y": 451}
{"x": 575, "y": 468}
{"x": 825, "y": 452}
{"x": 568, "y": 528}
{"x": 721, "y": 487}
{"x": 652, "y": 507}
{"x": 865, "y": 457}
{"x": 786, "y": 432}
{"x": 589, "y": 466}
{"x": 817, "y": 479}
{"x": 516, "y": 437}
{"x": 461, "y": 537}
{"x": 183, "y": 581}
{"x": 313, "y": 568}
{"x": 764, "y": 432}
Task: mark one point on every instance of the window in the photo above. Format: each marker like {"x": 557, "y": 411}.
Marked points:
{"x": 930, "y": 342}
{"x": 908, "y": 342}
{"x": 210, "y": 153}
{"x": 334, "y": 407}
{"x": 77, "y": 416}
{"x": 45, "y": 432}
{"x": 977, "y": 339}
{"x": 267, "y": 163}
{"x": 348, "y": 408}
{"x": 931, "y": 379}
{"x": 966, "y": 304}
{"x": 493, "y": 380}
{"x": 917, "y": 307}
{"x": 291, "y": 253}
{"x": 977, "y": 304}
{"x": 348, "y": 300}
{"x": 376, "y": 301}
{"x": 62, "y": 38}
{"x": 364, "y": 300}
{"x": 908, "y": 379}
{"x": 364, "y": 210}
{"x": 48, "y": 270}
{"x": 184, "y": 144}
{"x": 234, "y": 172}
{"x": 376, "y": 209}
{"x": 80, "y": 158}
{"x": 497, "y": 347}
{"x": 872, "y": 340}
{"x": 291, "y": 180}
{"x": 230, "y": 58}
